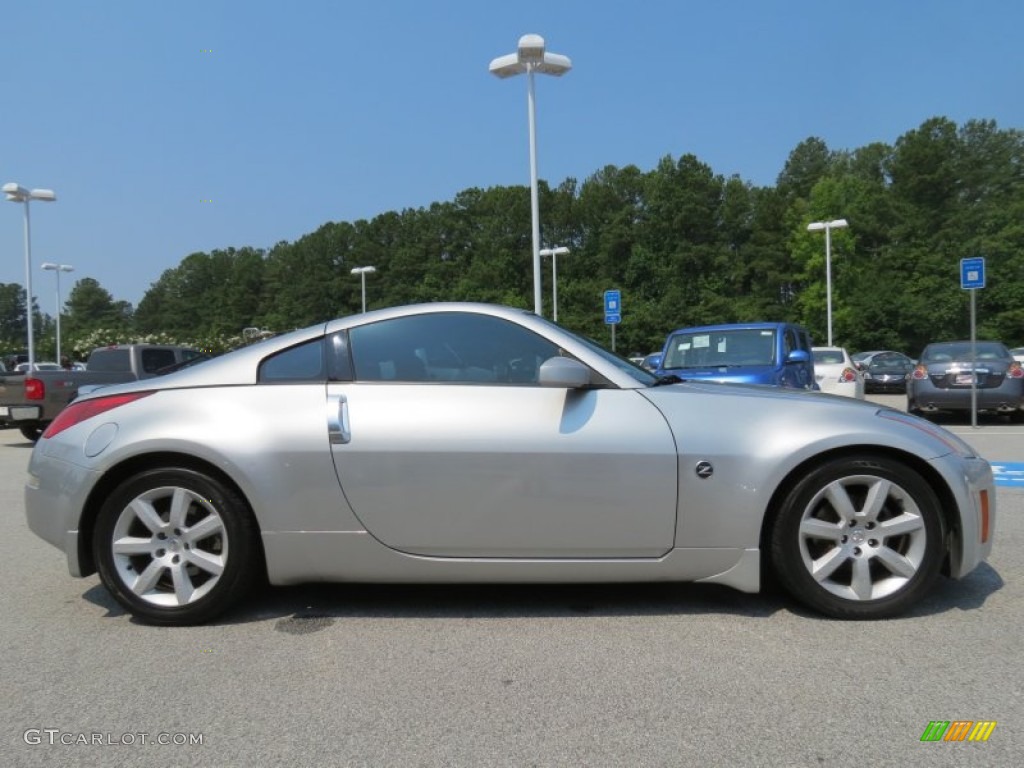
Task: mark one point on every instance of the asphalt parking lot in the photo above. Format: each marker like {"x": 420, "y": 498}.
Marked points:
{"x": 638, "y": 675}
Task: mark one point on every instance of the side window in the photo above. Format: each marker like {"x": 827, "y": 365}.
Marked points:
{"x": 449, "y": 347}
{"x": 155, "y": 359}
{"x": 788, "y": 344}
{"x": 301, "y": 363}
{"x": 339, "y": 362}
{"x": 110, "y": 360}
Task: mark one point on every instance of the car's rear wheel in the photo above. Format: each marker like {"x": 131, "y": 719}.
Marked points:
{"x": 175, "y": 546}
{"x": 32, "y": 433}
{"x": 859, "y": 538}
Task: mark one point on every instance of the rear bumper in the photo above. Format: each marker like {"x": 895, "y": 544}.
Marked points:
{"x": 19, "y": 414}
{"x": 52, "y": 513}
{"x": 924, "y": 396}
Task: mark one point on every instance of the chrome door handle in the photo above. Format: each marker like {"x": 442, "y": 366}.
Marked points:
{"x": 337, "y": 420}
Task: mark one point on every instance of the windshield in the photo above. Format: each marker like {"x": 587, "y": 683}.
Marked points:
{"x": 829, "y": 357}
{"x": 732, "y": 347}
{"x": 961, "y": 351}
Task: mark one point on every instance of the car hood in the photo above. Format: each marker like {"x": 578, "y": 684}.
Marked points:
{"x": 801, "y": 422}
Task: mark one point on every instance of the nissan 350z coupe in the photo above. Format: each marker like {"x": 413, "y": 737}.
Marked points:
{"x": 472, "y": 443}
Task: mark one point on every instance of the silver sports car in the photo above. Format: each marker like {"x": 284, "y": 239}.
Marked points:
{"x": 466, "y": 442}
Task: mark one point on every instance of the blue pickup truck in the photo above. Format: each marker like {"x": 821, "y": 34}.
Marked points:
{"x": 775, "y": 354}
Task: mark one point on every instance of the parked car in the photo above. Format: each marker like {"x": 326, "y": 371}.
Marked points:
{"x": 472, "y": 443}
{"x": 835, "y": 372}
{"x": 23, "y": 367}
{"x": 943, "y": 378}
{"x": 859, "y": 357}
{"x": 886, "y": 372}
{"x": 30, "y": 401}
{"x": 1018, "y": 354}
{"x": 777, "y": 354}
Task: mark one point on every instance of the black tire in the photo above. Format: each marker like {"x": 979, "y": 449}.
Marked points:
{"x": 33, "y": 432}
{"x": 864, "y": 572}
{"x": 181, "y": 574}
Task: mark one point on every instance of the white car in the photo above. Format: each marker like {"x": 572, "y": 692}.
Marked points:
{"x": 23, "y": 367}
{"x": 835, "y": 372}
{"x": 1018, "y": 354}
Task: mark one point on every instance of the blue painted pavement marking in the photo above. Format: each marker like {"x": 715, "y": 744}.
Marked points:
{"x": 1009, "y": 474}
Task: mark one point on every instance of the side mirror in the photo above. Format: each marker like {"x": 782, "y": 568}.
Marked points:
{"x": 563, "y": 372}
{"x": 798, "y": 356}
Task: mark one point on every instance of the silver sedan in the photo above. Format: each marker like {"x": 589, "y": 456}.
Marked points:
{"x": 466, "y": 442}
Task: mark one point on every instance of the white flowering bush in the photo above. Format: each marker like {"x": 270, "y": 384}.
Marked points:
{"x": 78, "y": 347}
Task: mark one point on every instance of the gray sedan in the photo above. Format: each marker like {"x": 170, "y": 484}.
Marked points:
{"x": 472, "y": 443}
{"x": 948, "y": 371}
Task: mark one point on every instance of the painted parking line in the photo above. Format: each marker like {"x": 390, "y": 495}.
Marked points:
{"x": 1009, "y": 474}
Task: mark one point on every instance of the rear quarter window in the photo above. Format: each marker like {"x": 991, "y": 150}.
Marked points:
{"x": 118, "y": 360}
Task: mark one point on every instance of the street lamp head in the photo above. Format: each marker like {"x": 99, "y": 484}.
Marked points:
{"x": 531, "y": 49}
{"x": 531, "y": 53}
{"x": 49, "y": 265}
{"x": 18, "y": 194}
{"x": 818, "y": 226}
{"x": 507, "y": 66}
{"x": 559, "y": 250}
{"x": 363, "y": 270}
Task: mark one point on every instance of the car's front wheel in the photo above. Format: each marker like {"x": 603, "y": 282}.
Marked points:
{"x": 859, "y": 538}
{"x": 175, "y": 546}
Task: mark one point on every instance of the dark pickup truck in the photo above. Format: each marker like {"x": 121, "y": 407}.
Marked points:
{"x": 30, "y": 401}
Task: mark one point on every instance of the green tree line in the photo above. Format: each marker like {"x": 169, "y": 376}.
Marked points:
{"x": 683, "y": 244}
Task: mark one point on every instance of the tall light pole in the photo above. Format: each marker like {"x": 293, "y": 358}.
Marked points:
{"x": 554, "y": 253}
{"x": 363, "y": 272}
{"x": 531, "y": 57}
{"x": 18, "y": 194}
{"x": 57, "y": 269}
{"x": 828, "y": 226}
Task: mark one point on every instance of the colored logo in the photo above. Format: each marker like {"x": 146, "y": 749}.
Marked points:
{"x": 958, "y": 730}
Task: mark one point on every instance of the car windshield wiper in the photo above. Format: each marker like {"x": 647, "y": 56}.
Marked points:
{"x": 668, "y": 378}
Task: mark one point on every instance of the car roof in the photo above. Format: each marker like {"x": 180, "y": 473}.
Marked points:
{"x": 737, "y": 326}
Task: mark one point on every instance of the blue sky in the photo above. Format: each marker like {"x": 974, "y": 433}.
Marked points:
{"x": 284, "y": 116}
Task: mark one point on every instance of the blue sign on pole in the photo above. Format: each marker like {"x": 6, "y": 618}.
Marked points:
{"x": 612, "y": 307}
{"x": 972, "y": 273}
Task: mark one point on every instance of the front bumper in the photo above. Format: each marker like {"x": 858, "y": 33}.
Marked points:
{"x": 885, "y": 383}
{"x": 973, "y": 487}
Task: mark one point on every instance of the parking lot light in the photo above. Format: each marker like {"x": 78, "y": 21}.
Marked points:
{"x": 828, "y": 226}
{"x": 531, "y": 56}
{"x": 57, "y": 269}
{"x": 18, "y": 194}
{"x": 554, "y": 253}
{"x": 363, "y": 272}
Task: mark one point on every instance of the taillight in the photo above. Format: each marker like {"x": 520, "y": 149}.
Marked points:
{"x": 920, "y": 372}
{"x": 848, "y": 375}
{"x": 34, "y": 389}
{"x": 1016, "y": 371}
{"x": 79, "y": 411}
